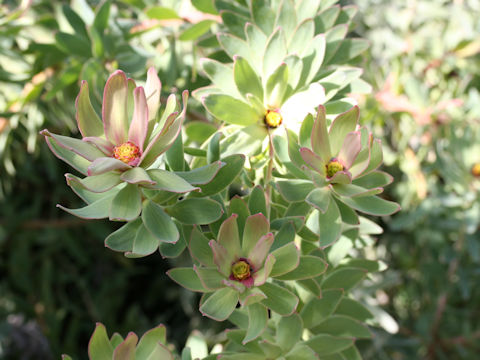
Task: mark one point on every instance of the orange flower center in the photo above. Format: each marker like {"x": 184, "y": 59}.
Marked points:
{"x": 241, "y": 270}
{"x": 476, "y": 170}
{"x": 333, "y": 167}
{"x": 128, "y": 152}
{"x": 273, "y": 118}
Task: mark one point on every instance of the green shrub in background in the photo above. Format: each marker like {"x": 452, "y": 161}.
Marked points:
{"x": 424, "y": 68}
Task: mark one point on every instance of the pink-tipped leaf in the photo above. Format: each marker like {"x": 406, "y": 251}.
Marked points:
{"x": 153, "y": 89}
{"x": 139, "y": 124}
{"x": 350, "y": 149}
{"x": 114, "y": 108}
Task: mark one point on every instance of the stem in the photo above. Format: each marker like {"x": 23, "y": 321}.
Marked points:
{"x": 268, "y": 176}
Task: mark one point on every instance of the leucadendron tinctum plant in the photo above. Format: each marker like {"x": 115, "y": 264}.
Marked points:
{"x": 265, "y": 199}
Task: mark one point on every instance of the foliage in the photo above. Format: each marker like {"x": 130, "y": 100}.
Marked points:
{"x": 257, "y": 164}
{"x": 425, "y": 110}
{"x": 265, "y": 250}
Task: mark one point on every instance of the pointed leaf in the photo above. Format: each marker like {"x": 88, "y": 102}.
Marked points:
{"x": 276, "y": 87}
{"x": 341, "y": 126}
{"x": 74, "y": 160}
{"x": 127, "y": 204}
{"x": 330, "y": 225}
{"x": 114, "y": 108}
{"x": 226, "y": 175}
{"x": 228, "y": 236}
{"x": 339, "y": 325}
{"x": 302, "y": 37}
{"x": 187, "y": 278}
{"x": 78, "y": 146}
{"x": 350, "y": 149}
{"x": 96, "y": 184}
{"x": 279, "y": 299}
{"x": 99, "y": 347}
{"x": 320, "y": 140}
{"x": 149, "y": 341}
{"x": 309, "y": 267}
{"x": 106, "y": 164}
{"x": 159, "y": 223}
{"x": 153, "y": 90}
{"x": 144, "y": 243}
{"x": 210, "y": 277}
{"x": 138, "y": 176}
{"x": 263, "y": 15}
{"x": 246, "y": 78}
{"x": 258, "y": 254}
{"x": 287, "y": 259}
{"x": 126, "y": 350}
{"x": 139, "y": 125}
{"x": 169, "y": 181}
{"x": 313, "y": 161}
{"x": 257, "y": 202}
{"x": 220, "y": 304}
{"x": 123, "y": 238}
{"x": 372, "y": 205}
{"x": 96, "y": 210}
{"x": 257, "y": 321}
{"x": 318, "y": 309}
{"x": 230, "y": 110}
{"x": 275, "y": 51}
{"x": 199, "y": 248}
{"x": 256, "y": 226}
{"x": 221, "y": 75}
{"x": 344, "y": 278}
{"x": 88, "y": 121}
{"x": 324, "y": 344}
{"x": 319, "y": 198}
{"x": 195, "y": 211}
{"x": 294, "y": 189}
{"x": 289, "y": 331}
{"x": 202, "y": 175}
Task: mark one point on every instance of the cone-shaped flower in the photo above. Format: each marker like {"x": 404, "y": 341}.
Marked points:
{"x": 128, "y": 136}
{"x": 335, "y": 152}
{"x": 236, "y": 265}
{"x": 339, "y": 175}
{"x": 259, "y": 102}
{"x": 244, "y": 262}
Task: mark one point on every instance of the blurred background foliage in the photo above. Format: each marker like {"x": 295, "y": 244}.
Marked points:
{"x": 57, "y": 279}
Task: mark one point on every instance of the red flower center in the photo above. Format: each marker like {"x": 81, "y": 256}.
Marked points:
{"x": 240, "y": 270}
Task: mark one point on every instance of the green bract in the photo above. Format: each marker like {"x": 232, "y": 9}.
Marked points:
{"x": 271, "y": 226}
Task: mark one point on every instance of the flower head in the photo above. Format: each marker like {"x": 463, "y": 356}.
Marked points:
{"x": 129, "y": 133}
{"x": 335, "y": 153}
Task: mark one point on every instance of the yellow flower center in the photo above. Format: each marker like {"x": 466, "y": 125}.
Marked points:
{"x": 241, "y": 270}
{"x": 273, "y": 118}
{"x": 128, "y": 152}
{"x": 333, "y": 167}
{"x": 476, "y": 170}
